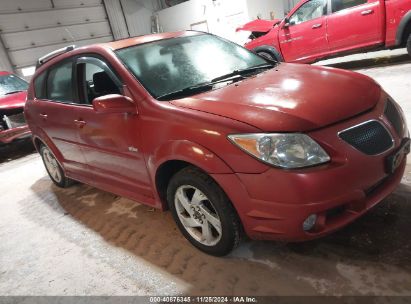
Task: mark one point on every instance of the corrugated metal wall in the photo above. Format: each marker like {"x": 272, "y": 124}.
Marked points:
{"x": 30, "y": 29}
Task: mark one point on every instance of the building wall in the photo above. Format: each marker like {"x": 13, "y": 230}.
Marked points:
{"x": 220, "y": 17}
{"x": 289, "y": 4}
{"x": 263, "y": 8}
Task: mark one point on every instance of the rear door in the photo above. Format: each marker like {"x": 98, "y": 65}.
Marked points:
{"x": 354, "y": 24}
{"x": 56, "y": 110}
{"x": 305, "y": 35}
{"x": 111, "y": 143}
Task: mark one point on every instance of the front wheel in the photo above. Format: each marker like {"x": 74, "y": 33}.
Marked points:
{"x": 267, "y": 55}
{"x": 203, "y": 212}
{"x": 54, "y": 169}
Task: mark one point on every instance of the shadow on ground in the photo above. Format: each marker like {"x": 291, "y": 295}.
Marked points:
{"x": 372, "y": 62}
{"x": 16, "y": 150}
{"x": 372, "y": 256}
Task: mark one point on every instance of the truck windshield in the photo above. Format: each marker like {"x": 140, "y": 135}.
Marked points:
{"x": 173, "y": 65}
{"x": 10, "y": 84}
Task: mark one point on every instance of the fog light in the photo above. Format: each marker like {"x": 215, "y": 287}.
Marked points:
{"x": 309, "y": 223}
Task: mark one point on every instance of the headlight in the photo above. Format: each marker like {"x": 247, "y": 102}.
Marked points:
{"x": 289, "y": 150}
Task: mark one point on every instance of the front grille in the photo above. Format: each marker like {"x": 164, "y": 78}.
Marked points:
{"x": 371, "y": 138}
{"x": 10, "y": 119}
{"x": 394, "y": 117}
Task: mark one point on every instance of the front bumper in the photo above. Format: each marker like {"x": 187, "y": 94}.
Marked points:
{"x": 7, "y": 136}
{"x": 273, "y": 205}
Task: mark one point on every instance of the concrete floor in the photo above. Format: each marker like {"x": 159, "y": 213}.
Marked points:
{"x": 83, "y": 241}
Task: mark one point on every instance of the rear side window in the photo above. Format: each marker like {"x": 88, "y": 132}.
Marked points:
{"x": 339, "y": 5}
{"x": 39, "y": 89}
{"x": 59, "y": 83}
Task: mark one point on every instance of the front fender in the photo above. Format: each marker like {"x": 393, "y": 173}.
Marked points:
{"x": 190, "y": 152}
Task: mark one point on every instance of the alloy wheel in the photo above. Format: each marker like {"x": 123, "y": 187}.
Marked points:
{"x": 52, "y": 165}
{"x": 198, "y": 215}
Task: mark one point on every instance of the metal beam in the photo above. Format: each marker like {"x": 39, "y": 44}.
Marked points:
{"x": 5, "y": 61}
{"x": 116, "y": 19}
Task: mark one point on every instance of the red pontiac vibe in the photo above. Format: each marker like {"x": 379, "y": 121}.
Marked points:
{"x": 12, "y": 100}
{"x": 226, "y": 140}
{"x": 318, "y": 29}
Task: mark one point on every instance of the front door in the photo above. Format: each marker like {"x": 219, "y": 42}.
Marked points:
{"x": 305, "y": 34}
{"x": 111, "y": 142}
{"x": 354, "y": 24}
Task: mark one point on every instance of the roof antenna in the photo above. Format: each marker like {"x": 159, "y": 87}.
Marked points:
{"x": 71, "y": 35}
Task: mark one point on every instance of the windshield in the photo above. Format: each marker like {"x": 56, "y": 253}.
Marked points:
{"x": 171, "y": 65}
{"x": 10, "y": 84}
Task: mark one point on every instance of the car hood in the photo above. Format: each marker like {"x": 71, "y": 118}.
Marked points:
{"x": 13, "y": 101}
{"x": 259, "y": 25}
{"x": 290, "y": 98}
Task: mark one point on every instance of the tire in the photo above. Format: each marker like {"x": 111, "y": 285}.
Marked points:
{"x": 54, "y": 169}
{"x": 268, "y": 55}
{"x": 203, "y": 212}
{"x": 409, "y": 45}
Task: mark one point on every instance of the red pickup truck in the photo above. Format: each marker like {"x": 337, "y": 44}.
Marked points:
{"x": 319, "y": 29}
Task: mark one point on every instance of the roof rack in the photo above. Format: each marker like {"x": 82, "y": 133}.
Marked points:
{"x": 45, "y": 58}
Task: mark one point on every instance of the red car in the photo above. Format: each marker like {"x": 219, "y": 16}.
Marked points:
{"x": 12, "y": 100}
{"x": 228, "y": 141}
{"x": 318, "y": 29}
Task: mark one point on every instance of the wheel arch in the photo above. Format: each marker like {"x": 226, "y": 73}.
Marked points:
{"x": 176, "y": 155}
{"x": 271, "y": 49}
{"x": 403, "y": 29}
{"x": 38, "y": 142}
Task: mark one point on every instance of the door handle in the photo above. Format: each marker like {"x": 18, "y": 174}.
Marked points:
{"x": 80, "y": 123}
{"x": 316, "y": 26}
{"x": 44, "y": 116}
{"x": 367, "y": 12}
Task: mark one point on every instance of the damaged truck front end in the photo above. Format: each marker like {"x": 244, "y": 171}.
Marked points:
{"x": 263, "y": 38}
{"x": 259, "y": 27}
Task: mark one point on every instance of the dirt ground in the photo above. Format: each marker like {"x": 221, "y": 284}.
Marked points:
{"x": 84, "y": 241}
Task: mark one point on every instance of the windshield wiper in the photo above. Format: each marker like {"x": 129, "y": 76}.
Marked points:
{"x": 198, "y": 88}
{"x": 233, "y": 76}
{"x": 244, "y": 71}
{"x": 14, "y": 92}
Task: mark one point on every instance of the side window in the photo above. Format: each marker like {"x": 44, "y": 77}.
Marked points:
{"x": 97, "y": 82}
{"x": 59, "y": 83}
{"x": 339, "y": 5}
{"x": 39, "y": 89}
{"x": 308, "y": 11}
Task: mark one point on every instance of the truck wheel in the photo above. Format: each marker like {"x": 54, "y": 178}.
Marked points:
{"x": 203, "y": 212}
{"x": 269, "y": 53}
{"x": 268, "y": 56}
{"x": 54, "y": 169}
{"x": 409, "y": 45}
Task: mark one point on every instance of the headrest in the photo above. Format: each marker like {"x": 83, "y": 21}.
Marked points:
{"x": 103, "y": 83}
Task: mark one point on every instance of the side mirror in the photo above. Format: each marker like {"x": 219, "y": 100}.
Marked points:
{"x": 114, "y": 104}
{"x": 287, "y": 23}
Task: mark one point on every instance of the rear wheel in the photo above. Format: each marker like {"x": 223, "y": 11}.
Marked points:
{"x": 54, "y": 169}
{"x": 203, "y": 212}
